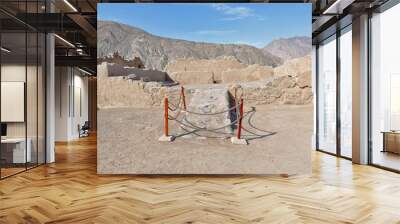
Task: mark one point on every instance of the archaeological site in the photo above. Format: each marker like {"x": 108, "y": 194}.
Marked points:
{"x": 192, "y": 107}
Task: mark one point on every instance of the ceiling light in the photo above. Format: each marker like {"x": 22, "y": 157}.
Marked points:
{"x": 70, "y": 5}
{"x": 5, "y": 50}
{"x": 338, "y": 6}
{"x": 64, "y": 40}
{"x": 86, "y": 72}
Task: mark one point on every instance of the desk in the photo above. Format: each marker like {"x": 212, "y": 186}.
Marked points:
{"x": 391, "y": 141}
{"x": 13, "y": 150}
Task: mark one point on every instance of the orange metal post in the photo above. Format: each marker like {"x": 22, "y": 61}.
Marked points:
{"x": 166, "y": 116}
{"x": 239, "y": 130}
{"x": 183, "y": 97}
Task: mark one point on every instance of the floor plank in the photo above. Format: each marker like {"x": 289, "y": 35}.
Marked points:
{"x": 70, "y": 191}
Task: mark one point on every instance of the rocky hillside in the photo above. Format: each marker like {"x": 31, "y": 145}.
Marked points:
{"x": 289, "y": 48}
{"x": 155, "y": 52}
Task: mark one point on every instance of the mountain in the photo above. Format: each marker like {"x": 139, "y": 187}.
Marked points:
{"x": 155, "y": 52}
{"x": 288, "y": 48}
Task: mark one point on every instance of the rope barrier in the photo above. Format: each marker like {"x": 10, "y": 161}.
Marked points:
{"x": 174, "y": 105}
{"x": 189, "y": 124}
{"x": 235, "y": 111}
{"x": 210, "y": 114}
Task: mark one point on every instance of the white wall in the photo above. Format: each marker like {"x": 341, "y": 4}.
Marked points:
{"x": 62, "y": 82}
{"x": 80, "y": 84}
{"x": 12, "y": 73}
{"x": 33, "y": 126}
{"x": 69, "y": 82}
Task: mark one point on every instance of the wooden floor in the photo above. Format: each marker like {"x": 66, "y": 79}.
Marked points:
{"x": 386, "y": 159}
{"x": 70, "y": 191}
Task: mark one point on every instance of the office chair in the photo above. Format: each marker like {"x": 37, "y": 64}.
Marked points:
{"x": 84, "y": 130}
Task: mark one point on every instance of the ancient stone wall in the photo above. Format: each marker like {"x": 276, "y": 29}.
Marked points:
{"x": 113, "y": 92}
{"x": 248, "y": 74}
{"x": 220, "y": 70}
{"x": 192, "y": 77}
{"x": 149, "y": 75}
{"x": 216, "y": 67}
{"x": 287, "y": 84}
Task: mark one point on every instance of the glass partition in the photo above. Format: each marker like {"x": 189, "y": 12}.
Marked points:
{"x": 346, "y": 92}
{"x": 31, "y": 99}
{"x": 327, "y": 95}
{"x": 385, "y": 89}
{"x": 22, "y": 77}
{"x": 14, "y": 153}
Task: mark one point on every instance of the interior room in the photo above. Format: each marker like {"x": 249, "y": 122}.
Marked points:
{"x": 52, "y": 102}
{"x": 22, "y": 102}
{"x": 385, "y": 90}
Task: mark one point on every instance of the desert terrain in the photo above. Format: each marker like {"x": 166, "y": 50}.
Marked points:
{"x": 133, "y": 82}
{"x": 129, "y": 144}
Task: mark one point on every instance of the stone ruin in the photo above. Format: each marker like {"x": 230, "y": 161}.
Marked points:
{"x": 121, "y": 86}
{"x": 117, "y": 59}
{"x": 208, "y": 100}
{"x": 219, "y": 70}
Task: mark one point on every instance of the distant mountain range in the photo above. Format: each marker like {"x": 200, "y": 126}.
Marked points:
{"x": 155, "y": 52}
{"x": 294, "y": 47}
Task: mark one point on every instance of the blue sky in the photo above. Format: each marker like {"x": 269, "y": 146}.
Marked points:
{"x": 254, "y": 24}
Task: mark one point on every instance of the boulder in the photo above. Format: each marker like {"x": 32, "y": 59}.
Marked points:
{"x": 208, "y": 101}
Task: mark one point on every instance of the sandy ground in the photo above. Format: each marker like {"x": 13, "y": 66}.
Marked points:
{"x": 128, "y": 144}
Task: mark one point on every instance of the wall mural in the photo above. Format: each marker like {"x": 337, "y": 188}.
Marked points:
{"x": 204, "y": 88}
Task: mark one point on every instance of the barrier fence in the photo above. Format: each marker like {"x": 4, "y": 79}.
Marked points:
{"x": 180, "y": 116}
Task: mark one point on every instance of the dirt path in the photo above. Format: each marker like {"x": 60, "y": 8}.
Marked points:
{"x": 128, "y": 143}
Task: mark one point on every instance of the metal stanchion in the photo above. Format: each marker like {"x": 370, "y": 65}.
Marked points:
{"x": 237, "y": 140}
{"x": 166, "y": 137}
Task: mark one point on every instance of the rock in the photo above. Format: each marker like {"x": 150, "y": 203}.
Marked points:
{"x": 304, "y": 79}
{"x": 294, "y": 67}
{"x": 192, "y": 77}
{"x": 289, "y": 48}
{"x": 282, "y": 82}
{"x": 208, "y": 101}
